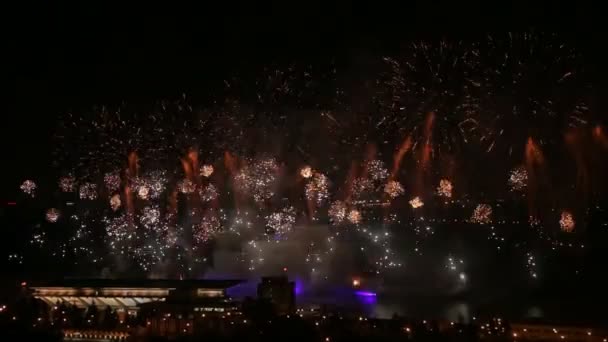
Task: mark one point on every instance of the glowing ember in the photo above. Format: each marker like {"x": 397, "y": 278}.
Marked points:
{"x": 337, "y": 212}
{"x": 52, "y": 215}
{"x": 566, "y": 222}
{"x": 416, "y": 202}
{"x": 206, "y": 170}
{"x": 376, "y": 170}
{"x": 393, "y": 189}
{"x": 445, "y": 188}
{"x": 354, "y": 216}
{"x": 186, "y": 186}
{"x": 317, "y": 189}
{"x": 518, "y": 180}
{"x": 209, "y": 193}
{"x": 112, "y": 181}
{"x": 281, "y": 222}
{"x": 66, "y": 184}
{"x": 306, "y": 172}
{"x": 88, "y": 191}
{"x": 482, "y": 214}
{"x": 115, "y": 202}
{"x": 29, "y": 187}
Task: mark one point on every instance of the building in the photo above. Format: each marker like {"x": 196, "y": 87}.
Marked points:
{"x": 280, "y": 292}
{"x": 127, "y": 296}
{"x": 556, "y": 332}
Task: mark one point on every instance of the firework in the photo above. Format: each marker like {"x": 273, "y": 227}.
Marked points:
{"x": 354, "y": 216}
{"x": 66, "y": 184}
{"x": 445, "y": 188}
{"x": 362, "y": 187}
{"x": 281, "y": 222}
{"x": 337, "y": 212}
{"x": 566, "y": 222}
{"x": 259, "y": 179}
{"x": 482, "y": 214}
{"x": 306, "y": 172}
{"x": 28, "y": 187}
{"x": 518, "y": 179}
{"x": 206, "y": 170}
{"x": 416, "y": 202}
{"x": 376, "y": 170}
{"x": 52, "y": 215}
{"x": 150, "y": 216}
{"x": 115, "y": 202}
{"x": 186, "y": 186}
{"x": 88, "y": 191}
{"x": 209, "y": 226}
{"x": 209, "y": 193}
{"x": 118, "y": 228}
{"x": 143, "y": 192}
{"x": 112, "y": 181}
{"x": 317, "y": 189}
{"x": 393, "y": 189}
{"x": 427, "y": 93}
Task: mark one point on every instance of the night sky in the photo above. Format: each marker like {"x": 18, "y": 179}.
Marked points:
{"x": 73, "y": 59}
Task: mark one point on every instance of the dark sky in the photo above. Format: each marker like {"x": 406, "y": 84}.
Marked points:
{"x": 65, "y": 57}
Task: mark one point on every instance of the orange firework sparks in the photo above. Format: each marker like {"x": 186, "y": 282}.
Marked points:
{"x": 416, "y": 202}
{"x": 306, "y": 172}
{"x": 445, "y": 188}
{"x": 566, "y": 222}
{"x": 482, "y": 214}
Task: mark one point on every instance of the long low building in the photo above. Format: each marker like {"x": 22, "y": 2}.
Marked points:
{"x": 124, "y": 295}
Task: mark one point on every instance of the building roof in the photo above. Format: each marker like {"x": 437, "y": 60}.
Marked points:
{"x": 138, "y": 283}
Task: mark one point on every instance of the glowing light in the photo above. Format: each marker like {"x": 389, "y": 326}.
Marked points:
{"x": 337, "y": 212}
{"x": 306, "y": 172}
{"x": 258, "y": 179}
{"x": 356, "y": 282}
{"x": 445, "y": 188}
{"x": 376, "y": 170}
{"x": 206, "y": 170}
{"x": 112, "y": 181}
{"x": 566, "y": 222}
{"x": 416, "y": 202}
{"x": 281, "y": 222}
{"x": 88, "y": 191}
{"x": 482, "y": 214}
{"x": 518, "y": 179}
{"x": 209, "y": 193}
{"x": 28, "y": 187}
{"x": 393, "y": 189}
{"x": 115, "y": 202}
{"x": 66, "y": 184}
{"x": 52, "y": 215}
{"x": 317, "y": 189}
{"x": 354, "y": 216}
{"x": 186, "y": 186}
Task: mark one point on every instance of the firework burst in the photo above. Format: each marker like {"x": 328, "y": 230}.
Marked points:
{"x": 186, "y": 186}
{"x": 376, "y": 170}
{"x": 317, "y": 190}
{"x": 206, "y": 170}
{"x": 394, "y": 189}
{"x": 209, "y": 226}
{"x": 337, "y": 212}
{"x": 416, "y": 202}
{"x": 67, "y": 184}
{"x": 566, "y": 222}
{"x": 445, "y": 188}
{"x": 115, "y": 202}
{"x": 209, "y": 193}
{"x": 258, "y": 179}
{"x": 354, "y": 216}
{"x": 29, "y": 187}
{"x": 88, "y": 191}
{"x": 281, "y": 222}
{"x": 482, "y": 214}
{"x": 52, "y": 215}
{"x": 306, "y": 172}
{"x": 518, "y": 179}
{"x": 112, "y": 181}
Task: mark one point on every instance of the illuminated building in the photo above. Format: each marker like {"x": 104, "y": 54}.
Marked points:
{"x": 127, "y": 296}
